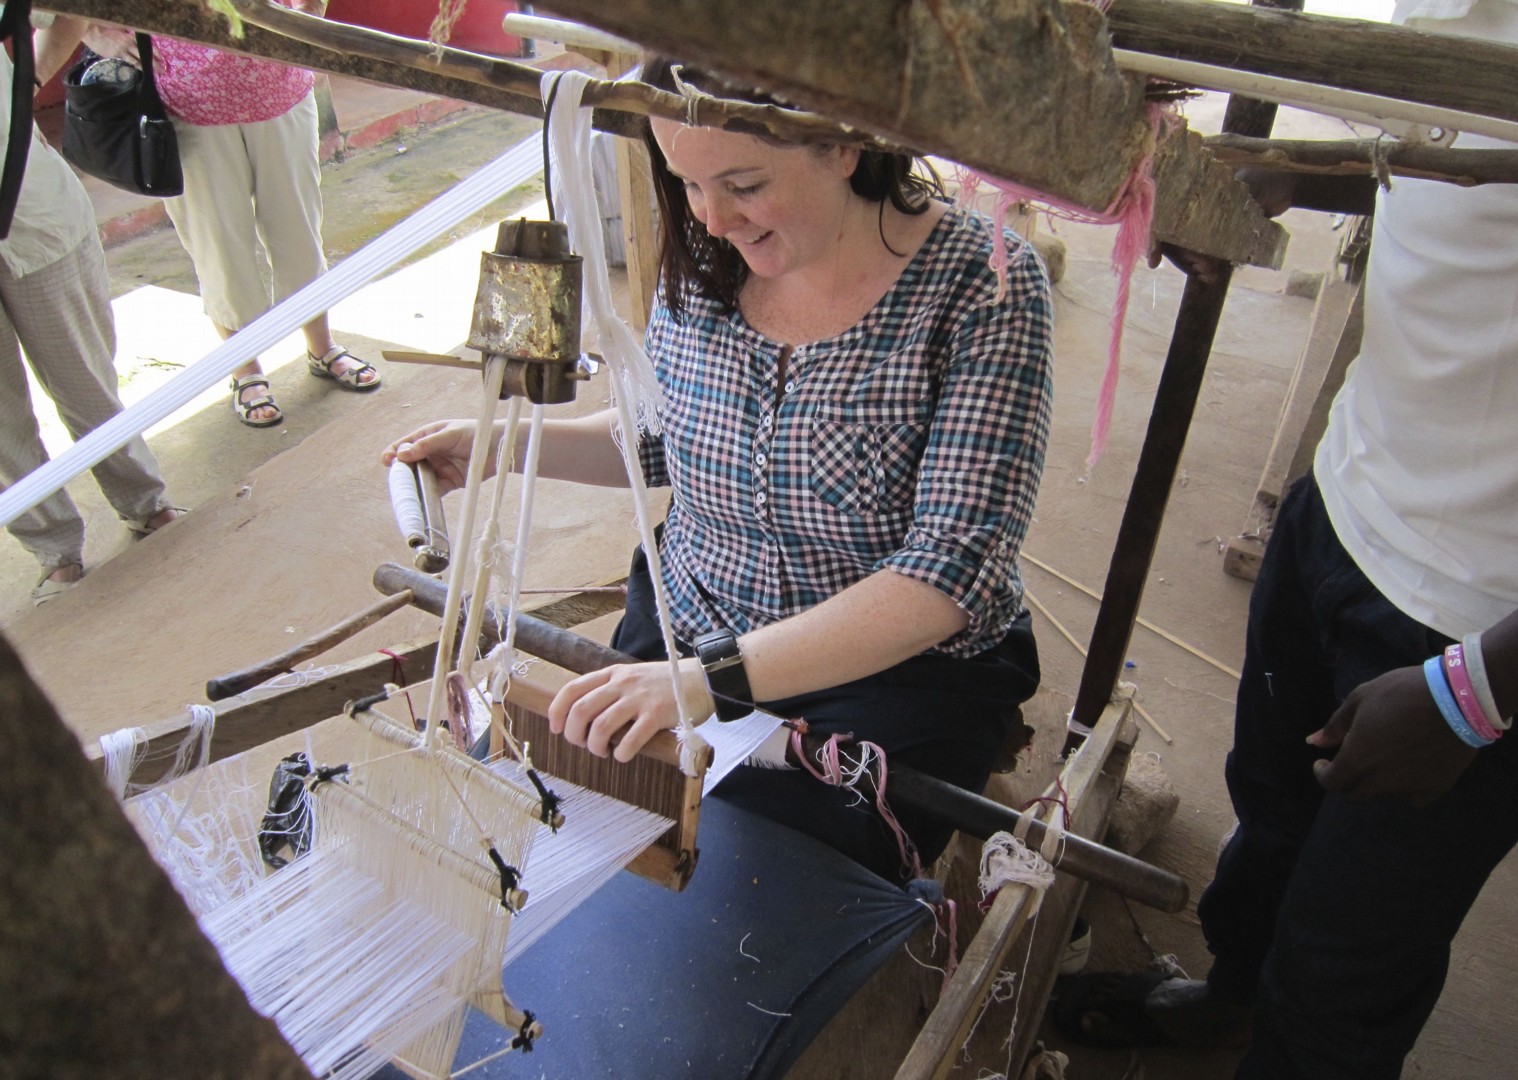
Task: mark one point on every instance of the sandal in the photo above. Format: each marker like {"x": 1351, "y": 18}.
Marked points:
{"x": 48, "y": 589}
{"x": 349, "y": 378}
{"x": 140, "y": 526}
{"x": 244, "y": 408}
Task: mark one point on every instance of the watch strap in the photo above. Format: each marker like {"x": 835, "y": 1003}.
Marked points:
{"x": 725, "y": 677}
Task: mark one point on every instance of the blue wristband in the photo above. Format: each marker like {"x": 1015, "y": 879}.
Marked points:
{"x": 1433, "y": 674}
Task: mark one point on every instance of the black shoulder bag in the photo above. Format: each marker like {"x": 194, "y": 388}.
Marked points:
{"x": 119, "y": 132}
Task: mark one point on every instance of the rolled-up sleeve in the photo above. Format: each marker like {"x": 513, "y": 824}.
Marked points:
{"x": 979, "y": 474}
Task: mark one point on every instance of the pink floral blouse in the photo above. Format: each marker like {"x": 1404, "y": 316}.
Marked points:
{"x": 202, "y": 85}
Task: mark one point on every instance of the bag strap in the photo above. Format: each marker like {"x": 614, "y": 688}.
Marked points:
{"x": 16, "y": 23}
{"x": 147, "y": 87}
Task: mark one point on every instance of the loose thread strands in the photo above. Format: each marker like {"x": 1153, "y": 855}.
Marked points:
{"x": 836, "y": 769}
{"x": 1132, "y": 210}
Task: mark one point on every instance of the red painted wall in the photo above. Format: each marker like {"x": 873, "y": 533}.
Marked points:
{"x": 478, "y": 28}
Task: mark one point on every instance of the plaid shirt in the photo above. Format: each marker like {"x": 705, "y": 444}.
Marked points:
{"x": 911, "y": 442}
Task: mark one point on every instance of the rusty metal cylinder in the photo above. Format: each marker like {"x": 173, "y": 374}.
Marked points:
{"x": 527, "y": 309}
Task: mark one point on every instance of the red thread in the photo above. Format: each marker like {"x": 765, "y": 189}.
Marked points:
{"x": 398, "y": 676}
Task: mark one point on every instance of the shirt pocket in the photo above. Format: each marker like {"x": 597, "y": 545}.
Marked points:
{"x": 865, "y": 460}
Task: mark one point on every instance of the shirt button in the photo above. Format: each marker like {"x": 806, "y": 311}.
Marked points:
{"x": 759, "y": 498}
{"x": 790, "y": 386}
{"x": 760, "y": 459}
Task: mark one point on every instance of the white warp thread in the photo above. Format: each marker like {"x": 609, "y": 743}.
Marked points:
{"x": 121, "y": 750}
{"x": 516, "y": 165}
{"x": 635, "y": 391}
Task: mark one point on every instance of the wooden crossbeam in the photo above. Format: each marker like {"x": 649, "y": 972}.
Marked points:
{"x": 1442, "y": 70}
{"x": 1022, "y": 89}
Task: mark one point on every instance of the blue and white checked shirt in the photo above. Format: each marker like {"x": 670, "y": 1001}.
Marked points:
{"x": 911, "y": 442}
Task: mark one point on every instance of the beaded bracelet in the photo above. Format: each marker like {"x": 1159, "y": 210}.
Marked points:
{"x": 1433, "y": 674}
{"x": 1465, "y": 694}
{"x": 1475, "y": 666}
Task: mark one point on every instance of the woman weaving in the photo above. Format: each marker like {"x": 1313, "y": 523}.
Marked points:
{"x": 854, "y": 427}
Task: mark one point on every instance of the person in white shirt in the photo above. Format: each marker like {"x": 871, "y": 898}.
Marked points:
{"x": 1374, "y": 792}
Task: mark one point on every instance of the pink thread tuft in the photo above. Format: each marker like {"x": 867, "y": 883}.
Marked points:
{"x": 1132, "y": 211}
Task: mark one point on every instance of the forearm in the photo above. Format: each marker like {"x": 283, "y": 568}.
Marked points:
{"x": 56, "y": 43}
{"x": 582, "y": 450}
{"x": 870, "y": 626}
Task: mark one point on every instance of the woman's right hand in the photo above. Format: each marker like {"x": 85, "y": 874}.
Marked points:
{"x": 113, "y": 41}
{"x": 446, "y": 444}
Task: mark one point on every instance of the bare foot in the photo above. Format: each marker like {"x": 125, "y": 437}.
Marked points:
{"x": 162, "y": 518}
{"x": 67, "y": 575}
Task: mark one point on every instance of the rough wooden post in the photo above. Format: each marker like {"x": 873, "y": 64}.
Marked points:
{"x": 635, "y": 189}
{"x": 1174, "y": 403}
{"x": 106, "y": 972}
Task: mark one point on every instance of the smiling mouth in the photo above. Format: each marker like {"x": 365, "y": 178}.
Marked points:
{"x": 761, "y": 238}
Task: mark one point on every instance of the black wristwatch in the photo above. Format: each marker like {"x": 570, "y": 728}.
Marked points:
{"x": 723, "y": 663}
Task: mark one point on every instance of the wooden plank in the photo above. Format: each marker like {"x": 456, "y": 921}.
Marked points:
{"x": 257, "y": 716}
{"x": 1023, "y": 89}
{"x": 1103, "y": 757}
{"x": 1374, "y": 58}
{"x": 1330, "y": 317}
{"x": 640, "y": 230}
{"x": 1345, "y": 351}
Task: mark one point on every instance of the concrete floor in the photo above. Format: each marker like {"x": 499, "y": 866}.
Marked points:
{"x": 289, "y": 523}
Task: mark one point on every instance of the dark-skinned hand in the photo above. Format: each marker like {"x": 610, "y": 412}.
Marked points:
{"x": 1392, "y": 742}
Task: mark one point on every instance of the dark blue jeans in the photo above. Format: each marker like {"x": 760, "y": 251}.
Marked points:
{"x": 1335, "y": 916}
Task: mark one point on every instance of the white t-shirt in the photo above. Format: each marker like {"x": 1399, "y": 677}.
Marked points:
{"x": 1419, "y": 463}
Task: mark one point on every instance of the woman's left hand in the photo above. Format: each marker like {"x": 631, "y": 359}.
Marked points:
{"x": 618, "y": 709}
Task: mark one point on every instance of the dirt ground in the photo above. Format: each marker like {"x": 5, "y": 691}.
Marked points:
{"x": 289, "y": 524}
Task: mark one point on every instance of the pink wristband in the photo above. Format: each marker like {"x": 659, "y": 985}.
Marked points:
{"x": 1465, "y": 693}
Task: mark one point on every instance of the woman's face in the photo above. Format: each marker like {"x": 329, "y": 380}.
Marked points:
{"x": 781, "y": 207}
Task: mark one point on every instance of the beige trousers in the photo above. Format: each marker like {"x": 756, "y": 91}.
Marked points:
{"x": 247, "y": 185}
{"x": 61, "y": 316}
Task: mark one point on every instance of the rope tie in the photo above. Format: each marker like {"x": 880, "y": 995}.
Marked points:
{"x": 523, "y": 1040}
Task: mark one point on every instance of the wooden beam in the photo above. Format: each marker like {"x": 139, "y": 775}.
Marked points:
{"x": 1364, "y": 157}
{"x": 1022, "y": 89}
{"x": 258, "y": 715}
{"x": 1443, "y": 70}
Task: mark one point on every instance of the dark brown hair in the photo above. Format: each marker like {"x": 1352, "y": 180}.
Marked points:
{"x": 691, "y": 260}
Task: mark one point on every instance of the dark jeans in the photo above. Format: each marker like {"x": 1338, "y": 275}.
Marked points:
{"x": 1335, "y": 916}
{"x": 943, "y": 716}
